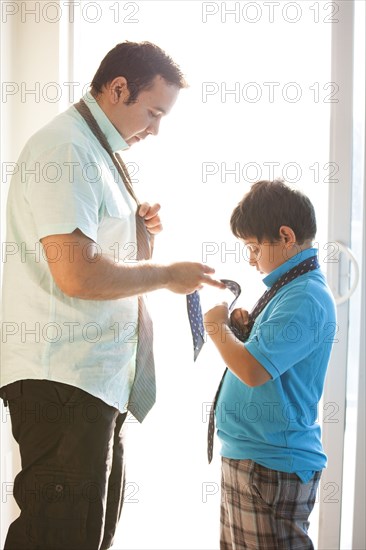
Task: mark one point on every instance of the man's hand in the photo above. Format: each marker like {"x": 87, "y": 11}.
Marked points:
{"x": 151, "y": 217}
{"x": 83, "y": 272}
{"x": 186, "y": 277}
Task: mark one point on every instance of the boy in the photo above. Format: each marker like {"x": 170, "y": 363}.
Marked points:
{"x": 266, "y": 409}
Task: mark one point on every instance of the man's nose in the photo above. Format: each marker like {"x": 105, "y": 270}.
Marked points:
{"x": 153, "y": 128}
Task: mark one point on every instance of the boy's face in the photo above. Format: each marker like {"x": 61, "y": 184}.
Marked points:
{"x": 266, "y": 256}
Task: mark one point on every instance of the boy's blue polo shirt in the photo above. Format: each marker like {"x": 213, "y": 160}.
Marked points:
{"x": 275, "y": 424}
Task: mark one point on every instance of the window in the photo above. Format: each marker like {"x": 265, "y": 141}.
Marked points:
{"x": 258, "y": 107}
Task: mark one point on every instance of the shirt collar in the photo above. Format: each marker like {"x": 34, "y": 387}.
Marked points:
{"x": 114, "y": 138}
{"x": 272, "y": 277}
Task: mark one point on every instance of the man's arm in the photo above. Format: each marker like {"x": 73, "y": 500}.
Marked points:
{"x": 81, "y": 272}
{"x": 237, "y": 358}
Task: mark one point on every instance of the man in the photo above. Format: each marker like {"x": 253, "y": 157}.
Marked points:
{"x": 72, "y": 302}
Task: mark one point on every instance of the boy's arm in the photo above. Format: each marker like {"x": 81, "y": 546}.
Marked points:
{"x": 237, "y": 358}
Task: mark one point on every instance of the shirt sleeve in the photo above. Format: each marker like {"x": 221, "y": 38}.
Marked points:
{"x": 288, "y": 333}
{"x": 65, "y": 192}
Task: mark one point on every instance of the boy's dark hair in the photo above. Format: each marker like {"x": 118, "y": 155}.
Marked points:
{"x": 267, "y": 206}
{"x": 139, "y": 63}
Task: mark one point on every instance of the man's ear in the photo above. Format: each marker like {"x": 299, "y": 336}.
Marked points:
{"x": 287, "y": 236}
{"x": 117, "y": 90}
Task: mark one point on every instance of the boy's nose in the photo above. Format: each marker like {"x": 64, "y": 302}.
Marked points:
{"x": 252, "y": 258}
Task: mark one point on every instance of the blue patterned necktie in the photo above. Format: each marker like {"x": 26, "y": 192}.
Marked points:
{"x": 196, "y": 318}
{"x": 196, "y": 322}
{"x": 304, "y": 267}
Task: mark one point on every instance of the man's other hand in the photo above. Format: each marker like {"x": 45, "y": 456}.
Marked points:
{"x": 151, "y": 217}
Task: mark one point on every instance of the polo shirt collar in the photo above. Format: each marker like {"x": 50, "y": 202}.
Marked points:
{"x": 272, "y": 277}
{"x": 114, "y": 138}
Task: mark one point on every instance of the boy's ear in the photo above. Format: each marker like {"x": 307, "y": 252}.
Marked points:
{"x": 287, "y": 236}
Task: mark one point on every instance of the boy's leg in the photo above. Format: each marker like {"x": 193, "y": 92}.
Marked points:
{"x": 267, "y": 509}
{"x": 65, "y": 437}
{"x": 225, "y": 523}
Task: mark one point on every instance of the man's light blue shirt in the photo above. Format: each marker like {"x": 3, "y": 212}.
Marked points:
{"x": 276, "y": 424}
{"x": 65, "y": 181}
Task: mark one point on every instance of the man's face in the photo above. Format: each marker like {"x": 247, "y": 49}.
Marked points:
{"x": 142, "y": 117}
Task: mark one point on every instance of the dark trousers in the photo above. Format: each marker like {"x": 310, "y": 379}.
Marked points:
{"x": 70, "y": 488}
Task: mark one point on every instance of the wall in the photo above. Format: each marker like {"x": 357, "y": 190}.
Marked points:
{"x": 29, "y": 62}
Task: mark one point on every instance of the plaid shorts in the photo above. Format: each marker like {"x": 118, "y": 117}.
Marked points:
{"x": 264, "y": 509}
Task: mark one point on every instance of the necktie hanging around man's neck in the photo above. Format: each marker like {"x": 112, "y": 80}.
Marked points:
{"x": 304, "y": 267}
{"x": 143, "y": 392}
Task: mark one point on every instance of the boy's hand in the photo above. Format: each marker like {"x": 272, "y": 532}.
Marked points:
{"x": 240, "y": 318}
{"x": 218, "y": 314}
{"x": 151, "y": 217}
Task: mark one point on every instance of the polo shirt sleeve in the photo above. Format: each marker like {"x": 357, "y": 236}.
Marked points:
{"x": 65, "y": 192}
{"x": 288, "y": 334}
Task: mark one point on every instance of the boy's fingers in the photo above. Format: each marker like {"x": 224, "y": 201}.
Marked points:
{"x": 240, "y": 317}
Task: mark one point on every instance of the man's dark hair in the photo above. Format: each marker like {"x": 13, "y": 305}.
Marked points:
{"x": 139, "y": 63}
{"x": 267, "y": 206}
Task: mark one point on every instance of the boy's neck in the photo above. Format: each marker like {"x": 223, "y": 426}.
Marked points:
{"x": 297, "y": 248}
{"x": 284, "y": 252}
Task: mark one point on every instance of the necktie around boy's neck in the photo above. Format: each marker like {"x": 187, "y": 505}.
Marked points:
{"x": 304, "y": 267}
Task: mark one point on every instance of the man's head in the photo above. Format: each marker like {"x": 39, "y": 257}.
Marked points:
{"x": 275, "y": 222}
{"x": 135, "y": 85}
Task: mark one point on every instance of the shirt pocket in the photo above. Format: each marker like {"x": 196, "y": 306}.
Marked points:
{"x": 117, "y": 226}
